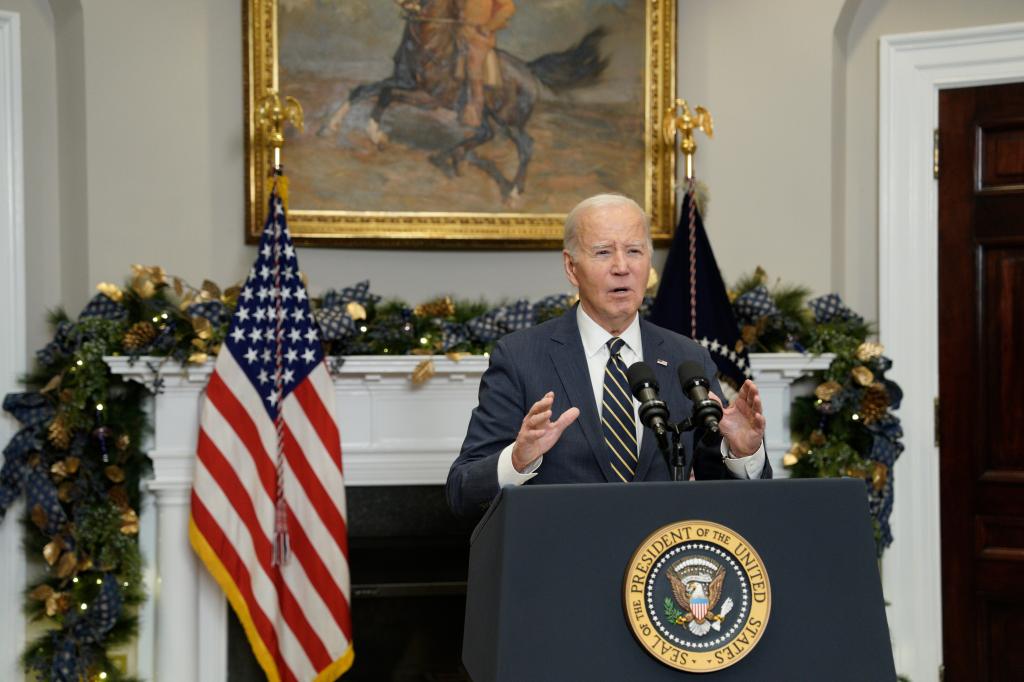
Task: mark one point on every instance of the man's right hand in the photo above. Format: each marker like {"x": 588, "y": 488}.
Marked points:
{"x": 538, "y": 434}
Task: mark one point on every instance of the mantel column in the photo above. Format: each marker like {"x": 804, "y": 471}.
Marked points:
{"x": 188, "y": 632}
{"x": 775, "y": 374}
{"x": 177, "y": 576}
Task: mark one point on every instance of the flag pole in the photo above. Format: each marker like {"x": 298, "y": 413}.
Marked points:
{"x": 271, "y": 117}
{"x": 680, "y": 120}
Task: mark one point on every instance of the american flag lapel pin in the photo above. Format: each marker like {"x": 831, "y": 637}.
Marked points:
{"x": 663, "y": 363}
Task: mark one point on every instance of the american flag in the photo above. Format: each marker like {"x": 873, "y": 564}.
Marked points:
{"x": 268, "y": 501}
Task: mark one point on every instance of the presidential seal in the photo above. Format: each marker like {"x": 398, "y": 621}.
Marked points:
{"x": 697, "y": 596}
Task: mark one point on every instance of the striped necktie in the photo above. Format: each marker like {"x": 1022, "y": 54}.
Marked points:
{"x": 617, "y": 420}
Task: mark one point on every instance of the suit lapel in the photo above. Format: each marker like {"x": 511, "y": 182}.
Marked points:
{"x": 570, "y": 362}
{"x": 652, "y": 342}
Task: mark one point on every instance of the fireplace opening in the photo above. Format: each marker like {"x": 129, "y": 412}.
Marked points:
{"x": 408, "y": 558}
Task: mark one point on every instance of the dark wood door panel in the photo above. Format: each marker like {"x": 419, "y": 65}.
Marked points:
{"x": 1001, "y": 155}
{"x": 1003, "y": 628}
{"x": 1002, "y": 359}
{"x": 981, "y": 372}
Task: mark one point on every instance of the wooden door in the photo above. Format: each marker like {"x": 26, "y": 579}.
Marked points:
{"x": 981, "y": 380}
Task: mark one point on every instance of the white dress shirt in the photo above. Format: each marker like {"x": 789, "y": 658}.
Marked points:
{"x": 595, "y": 340}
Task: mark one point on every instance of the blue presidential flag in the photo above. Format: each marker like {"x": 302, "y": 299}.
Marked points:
{"x": 692, "y": 299}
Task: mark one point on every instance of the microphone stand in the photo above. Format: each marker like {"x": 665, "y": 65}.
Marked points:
{"x": 675, "y": 456}
{"x": 671, "y": 446}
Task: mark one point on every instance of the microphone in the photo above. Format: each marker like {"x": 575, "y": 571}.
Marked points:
{"x": 706, "y": 412}
{"x": 653, "y": 411}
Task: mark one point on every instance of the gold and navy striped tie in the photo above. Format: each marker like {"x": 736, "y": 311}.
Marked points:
{"x": 617, "y": 420}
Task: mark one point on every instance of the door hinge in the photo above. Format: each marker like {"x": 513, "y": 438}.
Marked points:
{"x": 935, "y": 154}
{"x": 936, "y": 421}
{"x": 942, "y": 672}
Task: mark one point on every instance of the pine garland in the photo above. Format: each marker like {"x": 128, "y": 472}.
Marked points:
{"x": 847, "y": 427}
{"x": 78, "y": 463}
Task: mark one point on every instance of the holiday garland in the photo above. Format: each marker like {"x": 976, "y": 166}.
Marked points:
{"x": 78, "y": 464}
{"x": 847, "y": 427}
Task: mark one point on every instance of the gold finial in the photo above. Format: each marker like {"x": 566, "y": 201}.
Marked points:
{"x": 272, "y": 114}
{"x": 679, "y": 119}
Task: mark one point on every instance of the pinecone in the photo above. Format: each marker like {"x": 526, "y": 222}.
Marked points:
{"x": 874, "y": 403}
{"x": 139, "y": 335}
{"x": 59, "y": 433}
{"x": 441, "y": 307}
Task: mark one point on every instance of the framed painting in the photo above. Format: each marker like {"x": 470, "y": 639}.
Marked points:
{"x": 460, "y": 123}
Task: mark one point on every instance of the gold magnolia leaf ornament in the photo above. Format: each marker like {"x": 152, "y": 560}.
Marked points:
{"x": 59, "y": 432}
{"x": 41, "y": 592}
{"x": 439, "y": 307}
{"x": 52, "y": 384}
{"x": 796, "y": 451}
{"x": 355, "y": 310}
{"x": 58, "y": 602}
{"x": 423, "y": 372}
{"x": 210, "y": 290}
{"x": 879, "y": 476}
{"x": 111, "y": 291}
{"x": 828, "y": 390}
{"x": 59, "y": 470}
{"x": 52, "y": 550}
{"x": 129, "y": 522}
{"x": 868, "y": 351}
{"x": 114, "y": 473}
{"x": 64, "y": 491}
{"x": 202, "y": 327}
{"x": 39, "y": 516}
{"x": 862, "y": 375}
{"x": 66, "y": 565}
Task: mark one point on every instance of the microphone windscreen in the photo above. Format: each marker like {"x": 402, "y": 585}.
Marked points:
{"x": 639, "y": 375}
{"x": 690, "y": 373}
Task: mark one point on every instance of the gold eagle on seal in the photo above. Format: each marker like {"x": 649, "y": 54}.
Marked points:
{"x": 697, "y": 587}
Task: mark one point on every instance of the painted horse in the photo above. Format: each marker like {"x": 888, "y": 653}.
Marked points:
{"x": 427, "y": 75}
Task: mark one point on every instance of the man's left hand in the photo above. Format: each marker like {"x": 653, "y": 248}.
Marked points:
{"x": 742, "y": 423}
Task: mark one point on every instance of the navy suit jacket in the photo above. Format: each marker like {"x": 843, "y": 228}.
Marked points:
{"x": 549, "y": 357}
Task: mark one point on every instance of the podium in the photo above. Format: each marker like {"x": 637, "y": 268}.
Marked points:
{"x": 550, "y": 566}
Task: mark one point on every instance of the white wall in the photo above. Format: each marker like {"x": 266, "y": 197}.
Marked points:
{"x": 139, "y": 158}
{"x": 42, "y": 187}
{"x": 874, "y": 19}
{"x": 764, "y": 70}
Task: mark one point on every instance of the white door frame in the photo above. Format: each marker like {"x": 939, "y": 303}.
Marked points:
{"x": 12, "y": 332}
{"x": 913, "y": 68}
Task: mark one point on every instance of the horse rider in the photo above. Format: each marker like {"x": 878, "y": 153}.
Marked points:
{"x": 479, "y": 21}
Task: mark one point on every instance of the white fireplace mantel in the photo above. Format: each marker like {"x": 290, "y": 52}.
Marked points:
{"x": 393, "y": 433}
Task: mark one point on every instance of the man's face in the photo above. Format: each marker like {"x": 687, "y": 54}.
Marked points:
{"x": 611, "y": 265}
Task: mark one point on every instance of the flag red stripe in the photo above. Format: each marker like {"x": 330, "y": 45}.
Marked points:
{"x": 310, "y": 482}
{"x": 237, "y": 416}
{"x": 318, "y": 574}
{"x": 231, "y": 485}
{"x": 234, "y": 565}
{"x": 321, "y": 419}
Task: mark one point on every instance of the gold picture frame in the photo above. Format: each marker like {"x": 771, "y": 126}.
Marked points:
{"x": 471, "y": 214}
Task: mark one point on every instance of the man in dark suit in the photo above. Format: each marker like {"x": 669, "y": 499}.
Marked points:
{"x": 567, "y": 376}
